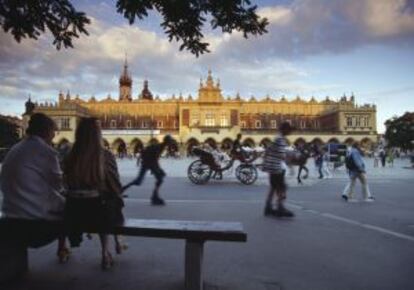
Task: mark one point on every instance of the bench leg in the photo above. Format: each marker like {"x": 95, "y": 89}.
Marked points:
{"x": 13, "y": 262}
{"x": 193, "y": 265}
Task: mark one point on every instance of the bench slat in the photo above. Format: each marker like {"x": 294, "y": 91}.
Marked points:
{"x": 178, "y": 229}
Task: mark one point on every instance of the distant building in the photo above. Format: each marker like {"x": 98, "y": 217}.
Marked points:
{"x": 16, "y": 121}
{"x": 130, "y": 123}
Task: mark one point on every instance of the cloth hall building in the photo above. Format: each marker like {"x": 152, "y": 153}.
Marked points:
{"x": 130, "y": 123}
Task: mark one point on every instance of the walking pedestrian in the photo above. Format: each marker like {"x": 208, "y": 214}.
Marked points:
{"x": 356, "y": 170}
{"x": 319, "y": 163}
{"x": 390, "y": 158}
{"x": 383, "y": 157}
{"x": 274, "y": 164}
{"x": 325, "y": 164}
{"x": 376, "y": 157}
{"x": 150, "y": 161}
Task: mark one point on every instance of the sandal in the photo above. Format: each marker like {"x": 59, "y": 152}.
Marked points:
{"x": 120, "y": 247}
{"x": 107, "y": 262}
{"x": 63, "y": 255}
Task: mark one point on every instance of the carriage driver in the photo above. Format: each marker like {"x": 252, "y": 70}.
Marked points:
{"x": 274, "y": 164}
{"x": 237, "y": 150}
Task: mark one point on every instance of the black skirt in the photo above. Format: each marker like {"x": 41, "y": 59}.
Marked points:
{"x": 91, "y": 215}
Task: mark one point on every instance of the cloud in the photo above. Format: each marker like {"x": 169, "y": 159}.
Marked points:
{"x": 306, "y": 28}
{"x": 269, "y": 64}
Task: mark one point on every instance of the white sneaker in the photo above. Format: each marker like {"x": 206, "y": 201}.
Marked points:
{"x": 352, "y": 200}
{"x": 369, "y": 199}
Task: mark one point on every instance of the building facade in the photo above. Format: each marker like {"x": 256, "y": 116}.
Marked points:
{"x": 130, "y": 123}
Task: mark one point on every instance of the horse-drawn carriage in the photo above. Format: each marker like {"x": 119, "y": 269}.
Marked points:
{"x": 214, "y": 164}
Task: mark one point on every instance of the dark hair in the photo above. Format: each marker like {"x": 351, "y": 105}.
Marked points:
{"x": 40, "y": 125}
{"x": 84, "y": 165}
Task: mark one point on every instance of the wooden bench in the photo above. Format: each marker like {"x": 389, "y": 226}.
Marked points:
{"x": 194, "y": 232}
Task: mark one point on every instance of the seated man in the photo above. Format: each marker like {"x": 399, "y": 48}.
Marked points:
{"x": 31, "y": 183}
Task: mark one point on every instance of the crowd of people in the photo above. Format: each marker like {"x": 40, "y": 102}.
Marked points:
{"x": 80, "y": 188}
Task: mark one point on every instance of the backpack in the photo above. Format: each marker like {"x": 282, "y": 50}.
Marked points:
{"x": 350, "y": 163}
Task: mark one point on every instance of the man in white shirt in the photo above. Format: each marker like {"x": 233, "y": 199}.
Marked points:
{"x": 31, "y": 183}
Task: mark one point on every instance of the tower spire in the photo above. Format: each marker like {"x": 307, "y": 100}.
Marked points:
{"x": 209, "y": 82}
{"x": 125, "y": 83}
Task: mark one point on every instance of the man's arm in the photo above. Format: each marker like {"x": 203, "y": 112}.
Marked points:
{"x": 55, "y": 180}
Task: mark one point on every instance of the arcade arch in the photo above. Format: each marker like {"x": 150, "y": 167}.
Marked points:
{"x": 153, "y": 141}
{"x": 366, "y": 143}
{"x": 106, "y": 144}
{"x": 210, "y": 141}
{"x": 63, "y": 142}
{"x": 265, "y": 142}
{"x": 333, "y": 140}
{"x": 317, "y": 141}
{"x": 191, "y": 143}
{"x": 226, "y": 144}
{"x": 120, "y": 148}
{"x": 349, "y": 141}
{"x": 299, "y": 142}
{"x": 136, "y": 146}
{"x": 249, "y": 142}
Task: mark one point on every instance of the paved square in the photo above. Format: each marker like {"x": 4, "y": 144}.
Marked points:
{"x": 330, "y": 244}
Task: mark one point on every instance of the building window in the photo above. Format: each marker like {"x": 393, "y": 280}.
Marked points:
{"x": 243, "y": 124}
{"x": 160, "y": 124}
{"x": 209, "y": 121}
{"x": 258, "y": 124}
{"x": 113, "y": 123}
{"x": 224, "y": 121}
{"x": 349, "y": 122}
{"x": 175, "y": 123}
{"x": 62, "y": 123}
{"x": 365, "y": 121}
{"x": 273, "y": 124}
{"x": 144, "y": 124}
{"x": 303, "y": 124}
{"x": 128, "y": 123}
{"x": 194, "y": 118}
{"x": 358, "y": 121}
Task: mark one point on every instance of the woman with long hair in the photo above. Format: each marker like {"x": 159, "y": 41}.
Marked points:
{"x": 94, "y": 199}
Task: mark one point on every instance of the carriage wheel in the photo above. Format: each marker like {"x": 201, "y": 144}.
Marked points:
{"x": 198, "y": 172}
{"x": 246, "y": 173}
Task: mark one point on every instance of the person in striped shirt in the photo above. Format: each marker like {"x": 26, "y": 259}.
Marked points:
{"x": 274, "y": 164}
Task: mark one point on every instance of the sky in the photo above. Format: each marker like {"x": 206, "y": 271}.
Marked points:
{"x": 313, "y": 48}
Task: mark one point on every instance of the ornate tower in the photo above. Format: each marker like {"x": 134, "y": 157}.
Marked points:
{"x": 125, "y": 85}
{"x": 30, "y": 106}
{"x": 209, "y": 92}
{"x": 146, "y": 93}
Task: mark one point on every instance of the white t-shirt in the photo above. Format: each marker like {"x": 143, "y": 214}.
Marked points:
{"x": 31, "y": 181}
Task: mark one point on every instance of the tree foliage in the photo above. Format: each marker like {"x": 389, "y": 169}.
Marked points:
{"x": 31, "y": 18}
{"x": 400, "y": 131}
{"x": 183, "y": 20}
{"x": 8, "y": 133}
